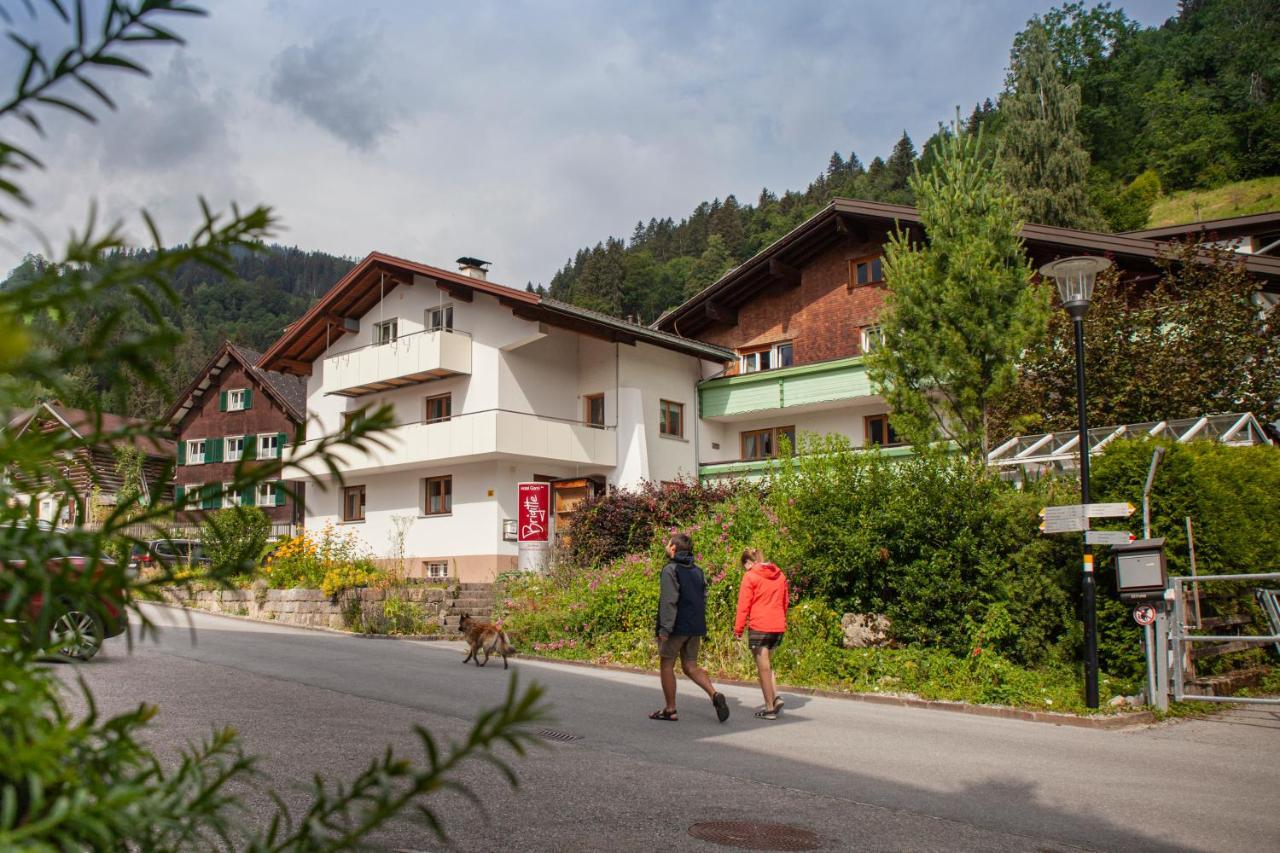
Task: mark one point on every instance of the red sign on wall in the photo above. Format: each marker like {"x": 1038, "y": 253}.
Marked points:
{"x": 535, "y": 512}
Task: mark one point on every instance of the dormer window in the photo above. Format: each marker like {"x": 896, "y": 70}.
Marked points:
{"x": 753, "y": 362}
{"x": 385, "y": 332}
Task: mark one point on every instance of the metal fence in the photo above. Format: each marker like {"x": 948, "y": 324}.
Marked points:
{"x": 1181, "y": 638}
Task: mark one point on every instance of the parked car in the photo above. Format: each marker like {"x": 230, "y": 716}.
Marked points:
{"x": 167, "y": 553}
{"x": 79, "y": 627}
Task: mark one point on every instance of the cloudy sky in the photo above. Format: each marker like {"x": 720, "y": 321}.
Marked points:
{"x": 513, "y": 131}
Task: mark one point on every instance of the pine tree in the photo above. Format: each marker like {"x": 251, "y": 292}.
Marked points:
{"x": 901, "y": 163}
{"x": 854, "y": 166}
{"x": 1043, "y": 157}
{"x": 835, "y": 167}
{"x": 959, "y": 310}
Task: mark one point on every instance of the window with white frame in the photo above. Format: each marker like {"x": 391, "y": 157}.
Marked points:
{"x": 230, "y": 496}
{"x": 234, "y": 450}
{"x": 236, "y": 399}
{"x": 781, "y": 354}
{"x": 195, "y": 451}
{"x": 385, "y": 332}
{"x": 269, "y": 445}
{"x": 266, "y": 494}
{"x": 753, "y": 362}
{"x": 872, "y": 338}
{"x": 436, "y": 569}
{"x": 440, "y": 318}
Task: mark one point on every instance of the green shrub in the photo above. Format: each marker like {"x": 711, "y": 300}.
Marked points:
{"x": 306, "y": 561}
{"x": 235, "y": 539}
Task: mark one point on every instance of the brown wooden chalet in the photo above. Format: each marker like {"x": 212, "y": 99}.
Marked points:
{"x": 1257, "y": 233}
{"x": 234, "y": 411}
{"x": 814, "y": 295}
{"x": 88, "y": 443}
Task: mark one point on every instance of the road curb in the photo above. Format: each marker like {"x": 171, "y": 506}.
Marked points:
{"x": 1057, "y": 718}
{"x": 1118, "y": 721}
{"x": 421, "y": 638}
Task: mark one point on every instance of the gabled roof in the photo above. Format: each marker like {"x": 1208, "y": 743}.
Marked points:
{"x": 857, "y": 220}
{"x": 82, "y": 424}
{"x": 1222, "y": 229}
{"x": 290, "y": 392}
{"x": 359, "y": 291}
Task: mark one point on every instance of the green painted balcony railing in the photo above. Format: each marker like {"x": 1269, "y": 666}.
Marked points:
{"x": 842, "y": 379}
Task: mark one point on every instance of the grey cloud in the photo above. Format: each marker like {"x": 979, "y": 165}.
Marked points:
{"x": 333, "y": 83}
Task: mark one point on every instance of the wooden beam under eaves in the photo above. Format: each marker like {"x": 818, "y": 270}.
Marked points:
{"x": 783, "y": 273}
{"x": 460, "y": 292}
{"x": 719, "y": 313}
{"x": 299, "y": 368}
{"x": 850, "y": 231}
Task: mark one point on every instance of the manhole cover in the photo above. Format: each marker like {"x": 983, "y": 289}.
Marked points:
{"x": 748, "y": 835}
{"x": 552, "y": 734}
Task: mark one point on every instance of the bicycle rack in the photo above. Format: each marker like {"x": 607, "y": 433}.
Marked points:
{"x": 1178, "y": 634}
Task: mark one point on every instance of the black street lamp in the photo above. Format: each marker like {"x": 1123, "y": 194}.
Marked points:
{"x": 1075, "y": 278}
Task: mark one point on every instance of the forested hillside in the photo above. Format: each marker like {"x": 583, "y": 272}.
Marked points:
{"x": 1190, "y": 104}
{"x": 269, "y": 290}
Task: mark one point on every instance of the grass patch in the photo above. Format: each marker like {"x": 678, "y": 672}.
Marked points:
{"x": 1241, "y": 198}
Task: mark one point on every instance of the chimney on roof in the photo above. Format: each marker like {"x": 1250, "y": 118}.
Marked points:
{"x": 474, "y": 267}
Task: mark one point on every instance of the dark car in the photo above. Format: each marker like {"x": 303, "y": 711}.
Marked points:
{"x": 78, "y": 627}
{"x": 168, "y": 553}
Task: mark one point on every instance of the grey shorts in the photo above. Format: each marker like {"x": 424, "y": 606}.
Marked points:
{"x": 683, "y": 646}
{"x": 763, "y": 640}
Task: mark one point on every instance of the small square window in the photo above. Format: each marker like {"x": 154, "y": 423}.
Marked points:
{"x": 436, "y": 569}
{"x": 879, "y": 430}
{"x": 440, "y": 319}
{"x": 266, "y": 494}
{"x": 783, "y": 353}
{"x": 866, "y": 271}
{"x": 385, "y": 332}
{"x": 236, "y": 399}
{"x": 439, "y": 408}
{"x": 439, "y": 496}
{"x": 234, "y": 450}
{"x": 753, "y": 362}
{"x": 671, "y": 419}
{"x": 353, "y": 503}
{"x": 872, "y": 338}
{"x": 195, "y": 452}
{"x": 230, "y": 497}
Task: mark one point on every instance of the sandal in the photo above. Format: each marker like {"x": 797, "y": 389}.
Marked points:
{"x": 722, "y": 707}
{"x": 767, "y": 715}
{"x": 777, "y": 704}
{"x": 664, "y": 714}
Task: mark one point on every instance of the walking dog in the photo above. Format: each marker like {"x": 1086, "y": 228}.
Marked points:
{"x": 486, "y": 636}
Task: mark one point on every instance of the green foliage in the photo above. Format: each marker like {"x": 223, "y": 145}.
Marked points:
{"x": 333, "y": 561}
{"x": 347, "y": 576}
{"x": 1128, "y": 208}
{"x": 959, "y": 309}
{"x": 1192, "y": 344}
{"x": 1042, "y": 156}
{"x": 235, "y": 539}
{"x": 81, "y": 781}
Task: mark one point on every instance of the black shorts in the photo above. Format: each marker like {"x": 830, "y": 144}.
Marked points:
{"x": 763, "y": 640}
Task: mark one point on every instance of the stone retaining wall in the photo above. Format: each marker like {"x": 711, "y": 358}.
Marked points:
{"x": 309, "y": 607}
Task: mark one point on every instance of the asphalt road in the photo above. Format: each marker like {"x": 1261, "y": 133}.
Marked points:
{"x": 860, "y": 776}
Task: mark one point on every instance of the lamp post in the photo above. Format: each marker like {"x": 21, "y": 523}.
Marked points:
{"x": 1075, "y": 278}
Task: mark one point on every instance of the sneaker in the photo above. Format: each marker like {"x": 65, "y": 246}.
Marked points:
{"x": 722, "y": 707}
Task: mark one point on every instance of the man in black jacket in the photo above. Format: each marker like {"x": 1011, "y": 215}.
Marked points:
{"x": 681, "y": 625}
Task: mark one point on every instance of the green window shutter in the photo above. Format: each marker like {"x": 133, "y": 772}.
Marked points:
{"x": 222, "y": 401}
{"x": 209, "y": 496}
{"x": 213, "y": 450}
{"x": 179, "y": 492}
{"x": 248, "y": 398}
{"x": 280, "y": 495}
{"x": 182, "y": 453}
{"x": 247, "y": 496}
{"x": 281, "y": 437}
{"x": 250, "y": 447}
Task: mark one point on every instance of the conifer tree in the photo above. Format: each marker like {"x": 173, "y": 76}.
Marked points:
{"x": 959, "y": 308}
{"x": 901, "y": 162}
{"x": 1043, "y": 157}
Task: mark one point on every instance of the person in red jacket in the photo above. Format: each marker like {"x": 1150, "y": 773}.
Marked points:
{"x": 762, "y": 611}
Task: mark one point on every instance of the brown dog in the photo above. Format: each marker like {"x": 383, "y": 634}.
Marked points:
{"x": 486, "y": 636}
